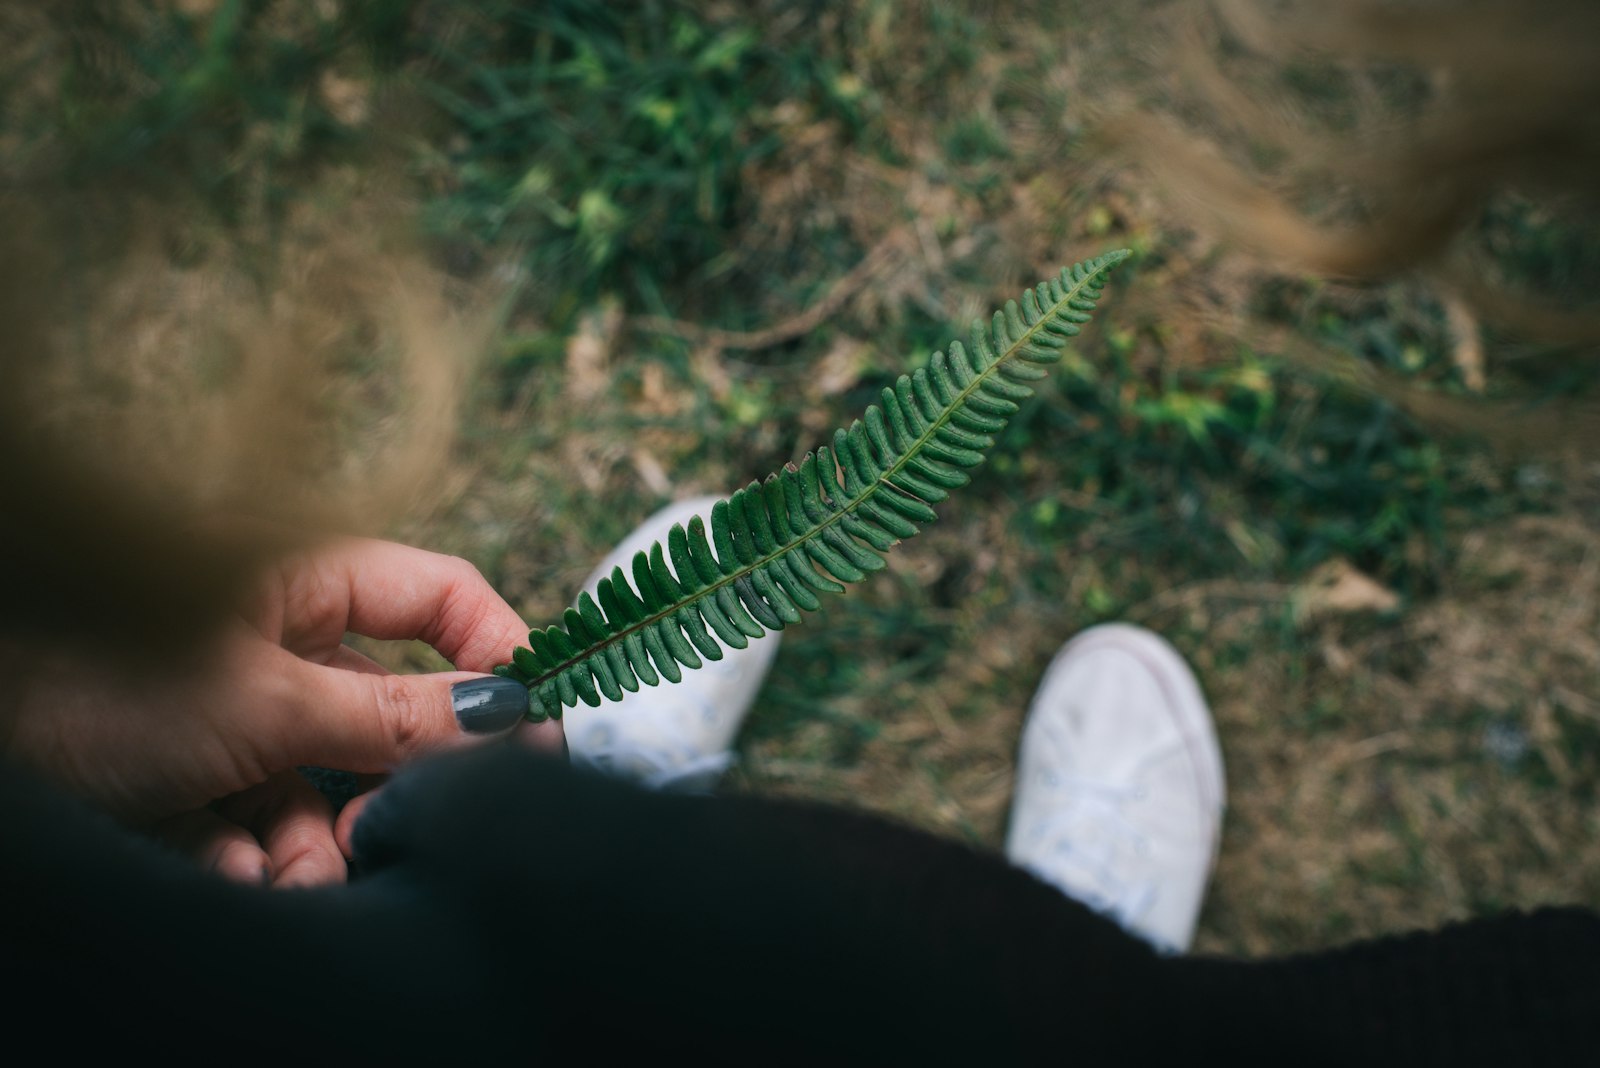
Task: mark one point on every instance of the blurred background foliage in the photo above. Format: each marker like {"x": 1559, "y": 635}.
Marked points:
{"x": 659, "y": 190}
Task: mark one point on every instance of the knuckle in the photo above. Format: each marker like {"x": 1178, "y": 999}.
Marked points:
{"x": 471, "y": 620}
{"x": 403, "y": 714}
{"x": 314, "y": 591}
{"x": 464, "y": 572}
{"x": 467, "y": 615}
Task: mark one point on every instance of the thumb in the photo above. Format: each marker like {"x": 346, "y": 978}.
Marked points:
{"x": 372, "y": 723}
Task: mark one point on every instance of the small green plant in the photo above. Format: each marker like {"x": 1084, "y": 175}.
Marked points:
{"x": 611, "y": 145}
{"x": 839, "y": 510}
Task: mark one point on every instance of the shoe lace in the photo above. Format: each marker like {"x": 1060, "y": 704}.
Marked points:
{"x": 1088, "y": 871}
{"x": 656, "y": 769}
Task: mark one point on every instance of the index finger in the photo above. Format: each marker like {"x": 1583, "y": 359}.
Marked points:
{"x": 388, "y": 591}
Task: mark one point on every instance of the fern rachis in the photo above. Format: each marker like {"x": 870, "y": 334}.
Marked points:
{"x": 839, "y": 509}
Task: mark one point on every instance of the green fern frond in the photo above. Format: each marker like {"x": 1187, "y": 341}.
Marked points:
{"x": 774, "y": 546}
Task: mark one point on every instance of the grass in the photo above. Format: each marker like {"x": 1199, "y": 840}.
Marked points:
{"x": 1392, "y": 763}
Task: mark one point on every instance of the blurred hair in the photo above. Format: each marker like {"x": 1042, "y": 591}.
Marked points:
{"x": 172, "y": 416}
{"x": 1499, "y": 96}
{"x": 224, "y": 338}
{"x": 1360, "y": 139}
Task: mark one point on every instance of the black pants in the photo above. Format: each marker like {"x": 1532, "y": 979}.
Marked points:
{"x": 511, "y": 905}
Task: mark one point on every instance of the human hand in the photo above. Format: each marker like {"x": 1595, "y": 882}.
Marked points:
{"x": 206, "y": 756}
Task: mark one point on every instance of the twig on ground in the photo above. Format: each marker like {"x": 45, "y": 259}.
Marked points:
{"x": 883, "y": 254}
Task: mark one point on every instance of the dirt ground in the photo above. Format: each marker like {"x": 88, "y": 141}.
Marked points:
{"x": 1384, "y": 773}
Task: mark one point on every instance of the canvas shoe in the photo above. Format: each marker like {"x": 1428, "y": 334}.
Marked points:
{"x": 672, "y": 736}
{"x": 1120, "y": 790}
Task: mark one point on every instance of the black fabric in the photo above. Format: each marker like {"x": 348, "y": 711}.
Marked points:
{"x": 509, "y": 905}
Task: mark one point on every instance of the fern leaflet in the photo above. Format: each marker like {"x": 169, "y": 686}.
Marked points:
{"x": 775, "y": 545}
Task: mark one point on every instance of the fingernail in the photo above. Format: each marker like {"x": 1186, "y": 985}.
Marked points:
{"x": 487, "y": 706}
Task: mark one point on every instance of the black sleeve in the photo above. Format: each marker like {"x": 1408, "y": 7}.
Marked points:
{"x": 510, "y": 906}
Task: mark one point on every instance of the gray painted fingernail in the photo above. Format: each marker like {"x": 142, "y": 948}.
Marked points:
{"x": 487, "y": 706}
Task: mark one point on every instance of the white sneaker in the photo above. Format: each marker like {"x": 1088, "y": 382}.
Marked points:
{"x": 676, "y": 736}
{"x": 1119, "y": 784}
